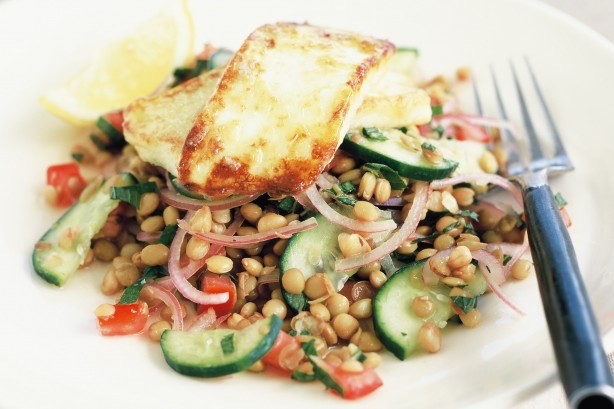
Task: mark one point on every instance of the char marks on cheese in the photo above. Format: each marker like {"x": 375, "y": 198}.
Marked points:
{"x": 280, "y": 110}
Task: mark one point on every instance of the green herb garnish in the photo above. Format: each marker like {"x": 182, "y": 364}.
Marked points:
{"x": 131, "y": 293}
{"x": 506, "y": 259}
{"x": 470, "y": 214}
{"x": 302, "y": 376}
{"x": 168, "y": 234}
{"x": 309, "y": 348}
{"x": 465, "y": 303}
{"x": 436, "y": 110}
{"x": 228, "y": 344}
{"x": 116, "y": 138}
{"x": 428, "y": 147}
{"x": 78, "y": 156}
{"x": 347, "y": 187}
{"x": 374, "y": 134}
{"x": 288, "y": 205}
{"x": 132, "y": 194}
{"x": 391, "y": 175}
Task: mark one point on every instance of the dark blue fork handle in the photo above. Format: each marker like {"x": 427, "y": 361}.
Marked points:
{"x": 575, "y": 335}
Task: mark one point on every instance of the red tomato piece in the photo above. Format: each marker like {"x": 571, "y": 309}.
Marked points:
{"x": 283, "y": 340}
{"x": 215, "y": 284}
{"x": 353, "y": 384}
{"x": 67, "y": 180}
{"x": 126, "y": 319}
{"x": 116, "y": 119}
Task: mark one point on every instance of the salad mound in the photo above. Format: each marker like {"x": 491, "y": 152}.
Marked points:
{"x": 303, "y": 204}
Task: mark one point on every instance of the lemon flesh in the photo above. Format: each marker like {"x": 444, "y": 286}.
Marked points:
{"x": 132, "y": 67}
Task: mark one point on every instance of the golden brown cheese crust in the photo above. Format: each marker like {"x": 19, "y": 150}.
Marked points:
{"x": 280, "y": 110}
{"x": 157, "y": 126}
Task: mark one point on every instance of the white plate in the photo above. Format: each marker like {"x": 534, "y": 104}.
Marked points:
{"x": 50, "y": 352}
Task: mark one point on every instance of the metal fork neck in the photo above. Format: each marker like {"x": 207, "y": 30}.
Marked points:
{"x": 535, "y": 179}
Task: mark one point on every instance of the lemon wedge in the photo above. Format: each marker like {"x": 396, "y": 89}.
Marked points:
{"x": 126, "y": 69}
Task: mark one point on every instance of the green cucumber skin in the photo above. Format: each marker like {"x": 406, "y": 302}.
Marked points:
{"x": 182, "y": 364}
{"x": 96, "y": 218}
{"x": 411, "y": 171}
{"x": 326, "y": 233}
{"x": 405, "y": 282}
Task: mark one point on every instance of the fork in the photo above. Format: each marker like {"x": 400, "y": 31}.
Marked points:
{"x": 576, "y": 340}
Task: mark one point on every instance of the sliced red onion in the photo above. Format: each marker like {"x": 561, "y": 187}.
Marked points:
{"x": 392, "y": 202}
{"x": 218, "y": 249}
{"x": 148, "y": 237}
{"x": 335, "y": 217}
{"x": 304, "y": 201}
{"x": 271, "y": 278}
{"x": 481, "y": 121}
{"x": 187, "y": 203}
{"x": 204, "y": 321}
{"x": 178, "y": 274}
{"x": 516, "y": 251}
{"x": 388, "y": 265}
{"x": 252, "y": 240}
{"x": 490, "y": 207}
{"x": 326, "y": 180}
{"x": 171, "y": 302}
{"x": 492, "y": 271}
{"x": 481, "y": 178}
{"x": 407, "y": 229}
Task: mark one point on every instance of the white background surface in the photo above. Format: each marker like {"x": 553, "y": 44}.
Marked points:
{"x": 53, "y": 343}
{"x": 597, "y": 14}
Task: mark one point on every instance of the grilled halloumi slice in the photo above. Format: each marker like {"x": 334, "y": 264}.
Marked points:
{"x": 158, "y": 126}
{"x": 280, "y": 110}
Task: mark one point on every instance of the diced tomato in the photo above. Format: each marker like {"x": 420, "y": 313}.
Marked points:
{"x": 67, "y": 180}
{"x": 283, "y": 340}
{"x": 353, "y": 384}
{"x": 126, "y": 319}
{"x": 215, "y": 284}
{"x": 116, "y": 119}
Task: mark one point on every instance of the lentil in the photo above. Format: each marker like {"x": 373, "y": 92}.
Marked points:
{"x": 196, "y": 249}
{"x": 337, "y": 304}
{"x": 110, "y": 285}
{"x": 366, "y": 211}
{"x": 251, "y": 212}
{"x": 351, "y": 366}
{"x": 293, "y": 281}
{"x": 345, "y": 325}
{"x": 104, "y": 250}
{"x": 343, "y": 165}
{"x": 156, "y": 330}
{"x": 443, "y": 242}
{"x": 521, "y": 269}
{"x": 422, "y": 306}
{"x": 471, "y": 319}
{"x": 319, "y": 311}
{"x": 382, "y": 190}
{"x": 353, "y": 176}
{"x": 377, "y": 279}
{"x": 202, "y": 220}
{"x": 367, "y": 186}
{"x": 439, "y": 266}
{"x": 368, "y": 342}
{"x": 154, "y": 254}
{"x": 280, "y": 247}
{"x": 425, "y": 253}
{"x": 460, "y": 257}
{"x": 488, "y": 162}
{"x": 221, "y": 216}
{"x": 148, "y": 204}
{"x": 464, "y": 196}
{"x": 271, "y": 221}
{"x": 361, "y": 309}
{"x": 350, "y": 244}
{"x": 318, "y": 286}
{"x": 372, "y": 361}
{"x": 219, "y": 264}
{"x": 429, "y": 337}
{"x": 170, "y": 215}
{"x": 275, "y": 307}
{"x": 248, "y": 309}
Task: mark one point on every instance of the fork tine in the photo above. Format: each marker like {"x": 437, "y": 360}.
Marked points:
{"x": 534, "y": 146}
{"x": 514, "y": 162}
{"x": 559, "y": 149}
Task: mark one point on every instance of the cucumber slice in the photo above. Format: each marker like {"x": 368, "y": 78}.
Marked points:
{"x": 56, "y": 261}
{"x": 392, "y": 152}
{"x": 219, "y": 352}
{"x": 220, "y": 58}
{"x": 313, "y": 251}
{"x": 395, "y": 323}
